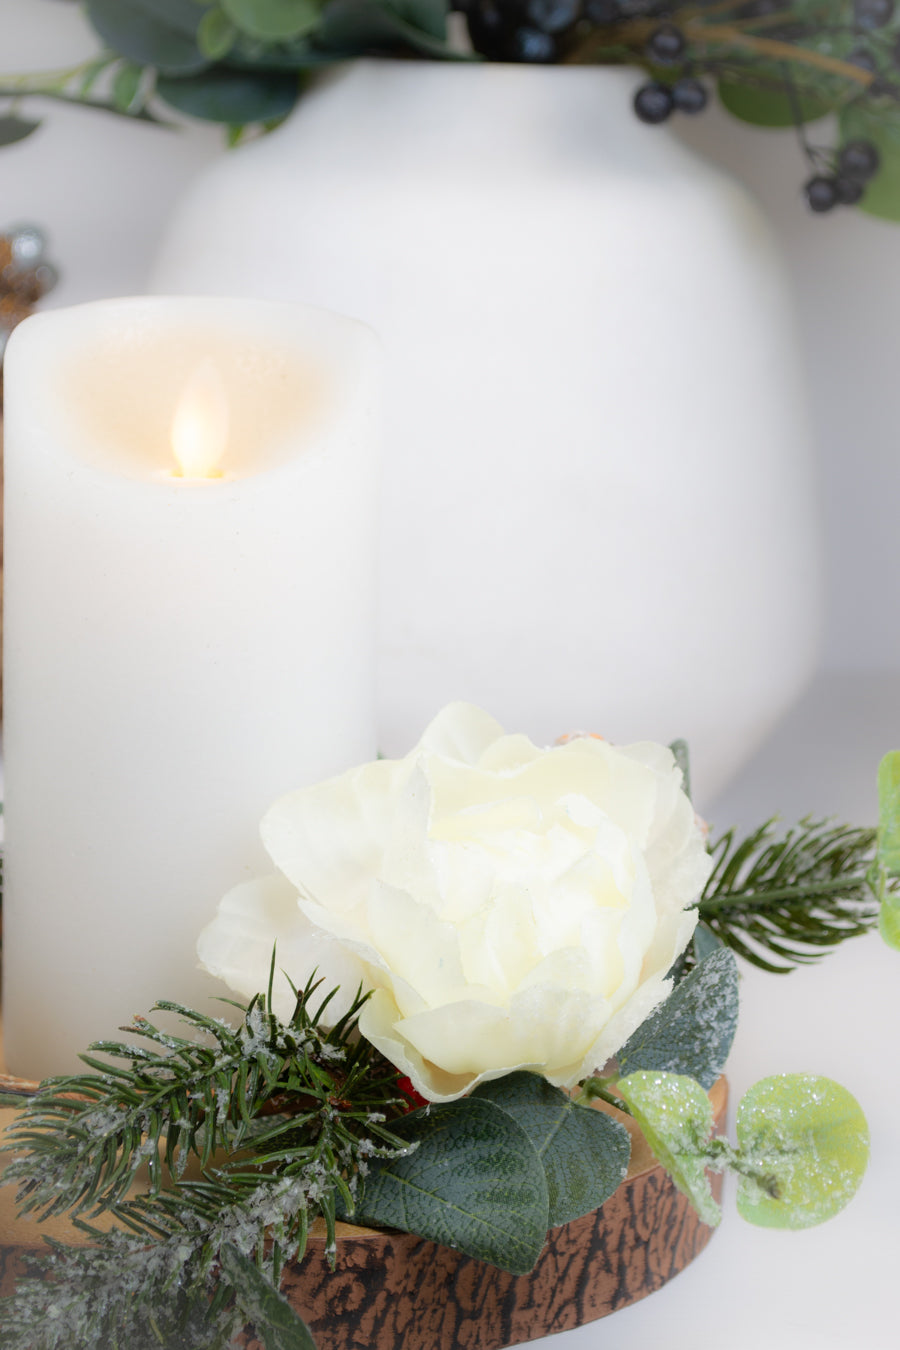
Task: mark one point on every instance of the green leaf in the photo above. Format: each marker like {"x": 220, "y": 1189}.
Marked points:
{"x": 273, "y": 20}
{"x": 705, "y": 942}
{"x": 216, "y": 34}
{"x": 129, "y": 28}
{"x": 889, "y": 813}
{"x": 765, "y": 107}
{"x": 676, "y": 1119}
{"x": 811, "y": 1135}
{"x": 356, "y": 26}
{"x": 126, "y": 85}
{"x": 475, "y": 1182}
{"x": 584, "y": 1152}
{"x": 184, "y": 15}
{"x": 271, "y": 1314}
{"x": 14, "y": 129}
{"x": 882, "y": 195}
{"x": 692, "y": 1031}
{"x": 682, "y": 755}
{"x": 233, "y": 97}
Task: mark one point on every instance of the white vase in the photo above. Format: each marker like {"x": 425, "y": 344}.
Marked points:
{"x": 597, "y": 508}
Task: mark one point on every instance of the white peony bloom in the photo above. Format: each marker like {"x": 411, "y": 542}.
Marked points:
{"x": 510, "y": 907}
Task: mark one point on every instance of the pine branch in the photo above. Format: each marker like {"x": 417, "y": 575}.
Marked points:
{"x": 279, "y": 1121}
{"x": 792, "y": 896}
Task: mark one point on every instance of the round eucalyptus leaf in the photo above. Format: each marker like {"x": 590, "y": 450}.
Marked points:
{"x": 130, "y": 30}
{"x": 234, "y": 97}
{"x": 770, "y": 107}
{"x": 273, "y": 20}
{"x": 810, "y": 1135}
{"x": 216, "y": 34}
{"x": 676, "y": 1119}
{"x": 183, "y": 15}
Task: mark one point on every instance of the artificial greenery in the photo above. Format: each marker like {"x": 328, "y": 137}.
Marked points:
{"x": 773, "y": 63}
{"x": 211, "y": 1153}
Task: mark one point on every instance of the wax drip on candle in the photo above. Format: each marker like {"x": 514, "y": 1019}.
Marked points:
{"x": 200, "y": 424}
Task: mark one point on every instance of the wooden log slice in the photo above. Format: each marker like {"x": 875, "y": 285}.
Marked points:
{"x": 393, "y": 1291}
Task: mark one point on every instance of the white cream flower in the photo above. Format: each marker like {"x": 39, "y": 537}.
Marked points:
{"x": 510, "y": 907}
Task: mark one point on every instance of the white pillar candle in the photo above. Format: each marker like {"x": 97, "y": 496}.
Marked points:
{"x": 183, "y": 644}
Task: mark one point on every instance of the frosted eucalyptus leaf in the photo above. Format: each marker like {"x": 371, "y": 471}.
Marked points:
{"x": 273, "y": 20}
{"x": 889, "y": 813}
{"x": 130, "y": 29}
{"x": 692, "y": 1031}
{"x": 810, "y": 1134}
{"x": 705, "y": 942}
{"x": 475, "y": 1182}
{"x": 676, "y": 1119}
{"x": 273, "y": 1317}
{"x": 584, "y": 1151}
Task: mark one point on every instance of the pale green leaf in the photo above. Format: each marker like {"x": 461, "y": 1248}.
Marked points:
{"x": 676, "y": 1118}
{"x": 889, "y": 812}
{"x": 216, "y": 34}
{"x": 810, "y": 1135}
{"x": 126, "y": 86}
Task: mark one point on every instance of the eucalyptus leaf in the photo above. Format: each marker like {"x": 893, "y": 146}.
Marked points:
{"x": 216, "y": 34}
{"x": 811, "y": 1135}
{"x": 676, "y": 1119}
{"x": 134, "y": 33}
{"x": 273, "y": 1317}
{"x": 474, "y": 1182}
{"x": 692, "y": 1031}
{"x": 231, "y": 96}
{"x": 882, "y": 194}
{"x": 273, "y": 20}
{"x": 355, "y": 26}
{"x": 183, "y": 15}
{"x": 14, "y": 128}
{"x": 764, "y": 107}
{"x": 126, "y": 85}
{"x": 705, "y": 942}
{"x": 584, "y": 1152}
{"x": 889, "y": 813}
{"x": 682, "y": 755}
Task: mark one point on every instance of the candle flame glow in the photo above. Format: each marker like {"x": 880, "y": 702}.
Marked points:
{"x": 200, "y": 424}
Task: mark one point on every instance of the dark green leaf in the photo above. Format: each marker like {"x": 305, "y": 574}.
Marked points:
{"x": 691, "y": 1032}
{"x": 216, "y": 34}
{"x": 772, "y": 107}
{"x": 475, "y": 1182}
{"x": 273, "y": 20}
{"x": 882, "y": 195}
{"x": 356, "y": 26}
{"x": 584, "y": 1152}
{"x": 811, "y": 1135}
{"x": 273, "y": 1317}
{"x": 134, "y": 33}
{"x": 14, "y": 129}
{"x": 183, "y": 15}
{"x": 231, "y": 96}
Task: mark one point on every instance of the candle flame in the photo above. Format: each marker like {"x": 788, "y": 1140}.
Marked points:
{"x": 200, "y": 424}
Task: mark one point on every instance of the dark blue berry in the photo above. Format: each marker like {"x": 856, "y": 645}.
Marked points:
{"x": 530, "y": 44}
{"x": 689, "y": 95}
{"x": 603, "y": 11}
{"x": 863, "y": 58}
{"x": 848, "y": 190}
{"x": 666, "y": 45}
{"x": 870, "y": 14}
{"x": 821, "y": 193}
{"x": 859, "y": 160}
{"x": 552, "y": 16}
{"x": 653, "y": 103}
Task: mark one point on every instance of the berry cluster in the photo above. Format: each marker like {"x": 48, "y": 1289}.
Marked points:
{"x": 857, "y": 162}
{"x": 524, "y": 30}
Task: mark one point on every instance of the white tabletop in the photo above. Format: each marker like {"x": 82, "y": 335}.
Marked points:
{"x": 833, "y": 1287}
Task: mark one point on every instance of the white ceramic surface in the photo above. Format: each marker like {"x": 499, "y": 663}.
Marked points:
{"x": 598, "y": 510}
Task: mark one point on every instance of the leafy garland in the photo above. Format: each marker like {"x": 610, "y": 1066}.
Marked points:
{"x": 248, "y": 1134}
{"x": 773, "y": 63}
